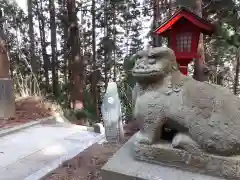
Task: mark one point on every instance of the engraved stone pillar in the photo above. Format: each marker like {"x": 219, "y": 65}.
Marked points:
{"x": 111, "y": 112}
{"x": 7, "y": 100}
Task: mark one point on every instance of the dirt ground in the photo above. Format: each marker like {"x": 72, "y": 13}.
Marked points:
{"x": 27, "y": 110}
{"x": 87, "y": 165}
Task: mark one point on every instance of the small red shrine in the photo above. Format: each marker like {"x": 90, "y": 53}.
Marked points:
{"x": 183, "y": 31}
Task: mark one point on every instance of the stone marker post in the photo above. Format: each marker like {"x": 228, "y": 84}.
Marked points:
{"x": 7, "y": 100}
{"x": 111, "y": 112}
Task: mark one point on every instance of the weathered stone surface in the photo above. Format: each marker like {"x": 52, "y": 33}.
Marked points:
{"x": 206, "y": 116}
{"x": 123, "y": 166}
{"x": 163, "y": 153}
{"x": 7, "y": 99}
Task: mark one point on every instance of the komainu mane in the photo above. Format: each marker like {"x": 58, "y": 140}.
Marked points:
{"x": 206, "y": 116}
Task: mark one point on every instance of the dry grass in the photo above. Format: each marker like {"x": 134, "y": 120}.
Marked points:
{"x": 28, "y": 109}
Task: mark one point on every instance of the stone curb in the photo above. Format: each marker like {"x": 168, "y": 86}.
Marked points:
{"x": 8, "y": 131}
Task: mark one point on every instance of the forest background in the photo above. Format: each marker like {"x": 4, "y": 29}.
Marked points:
{"x": 68, "y": 50}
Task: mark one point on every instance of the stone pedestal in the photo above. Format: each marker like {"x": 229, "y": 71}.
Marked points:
{"x": 163, "y": 153}
{"x": 7, "y": 99}
{"x": 124, "y": 166}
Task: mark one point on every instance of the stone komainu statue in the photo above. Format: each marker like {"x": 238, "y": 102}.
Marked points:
{"x": 206, "y": 116}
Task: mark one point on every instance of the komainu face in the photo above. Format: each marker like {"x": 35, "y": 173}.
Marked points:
{"x": 155, "y": 62}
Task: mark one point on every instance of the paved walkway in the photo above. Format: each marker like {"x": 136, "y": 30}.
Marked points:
{"x": 31, "y": 153}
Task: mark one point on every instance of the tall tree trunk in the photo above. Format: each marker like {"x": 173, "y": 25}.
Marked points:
{"x": 169, "y": 8}
{"x": 53, "y": 47}
{"x": 106, "y": 53}
{"x": 31, "y": 35}
{"x": 76, "y": 61}
{"x": 114, "y": 42}
{"x": 94, "y": 87}
{"x": 64, "y": 21}
{"x": 66, "y": 60}
{"x": 127, "y": 30}
{"x": 236, "y": 79}
{"x": 46, "y": 62}
{"x": 65, "y": 71}
{"x": 156, "y": 19}
{"x": 199, "y": 64}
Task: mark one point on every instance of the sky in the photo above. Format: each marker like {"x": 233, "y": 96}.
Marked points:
{"x": 22, "y": 4}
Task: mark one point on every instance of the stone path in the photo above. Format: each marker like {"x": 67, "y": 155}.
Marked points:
{"x": 33, "y": 152}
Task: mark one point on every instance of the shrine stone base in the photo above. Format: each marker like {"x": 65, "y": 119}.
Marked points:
{"x": 124, "y": 166}
{"x": 7, "y": 99}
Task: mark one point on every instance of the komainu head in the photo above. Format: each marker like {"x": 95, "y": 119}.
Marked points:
{"x": 154, "y": 62}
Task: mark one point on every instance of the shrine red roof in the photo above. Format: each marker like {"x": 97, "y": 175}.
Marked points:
{"x": 204, "y": 25}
